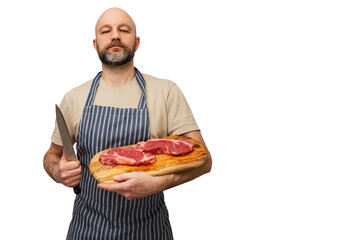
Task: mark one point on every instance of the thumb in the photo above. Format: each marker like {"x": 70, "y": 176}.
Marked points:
{"x": 67, "y": 159}
{"x": 63, "y": 158}
{"x": 68, "y": 163}
{"x": 123, "y": 177}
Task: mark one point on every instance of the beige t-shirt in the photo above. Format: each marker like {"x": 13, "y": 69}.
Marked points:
{"x": 169, "y": 112}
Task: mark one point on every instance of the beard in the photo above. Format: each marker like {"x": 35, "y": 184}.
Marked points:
{"x": 116, "y": 59}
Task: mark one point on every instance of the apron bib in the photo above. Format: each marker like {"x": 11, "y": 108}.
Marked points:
{"x": 100, "y": 214}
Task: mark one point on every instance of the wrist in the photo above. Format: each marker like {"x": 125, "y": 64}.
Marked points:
{"x": 166, "y": 181}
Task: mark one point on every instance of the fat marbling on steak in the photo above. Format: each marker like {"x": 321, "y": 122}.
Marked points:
{"x": 175, "y": 147}
{"x": 132, "y": 157}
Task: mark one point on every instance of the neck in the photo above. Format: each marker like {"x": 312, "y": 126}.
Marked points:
{"x": 118, "y": 75}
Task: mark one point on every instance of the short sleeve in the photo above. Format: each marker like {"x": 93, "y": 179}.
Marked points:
{"x": 180, "y": 117}
{"x": 56, "y": 138}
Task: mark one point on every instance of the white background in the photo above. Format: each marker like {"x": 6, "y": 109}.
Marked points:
{"x": 274, "y": 86}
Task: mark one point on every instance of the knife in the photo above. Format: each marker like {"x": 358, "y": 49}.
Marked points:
{"x": 66, "y": 141}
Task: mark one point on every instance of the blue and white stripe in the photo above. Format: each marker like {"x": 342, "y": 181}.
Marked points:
{"x": 100, "y": 214}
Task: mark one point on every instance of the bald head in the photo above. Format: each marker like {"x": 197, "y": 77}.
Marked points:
{"x": 114, "y": 16}
{"x": 116, "y": 41}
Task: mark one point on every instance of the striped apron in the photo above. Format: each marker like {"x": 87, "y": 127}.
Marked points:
{"x": 100, "y": 214}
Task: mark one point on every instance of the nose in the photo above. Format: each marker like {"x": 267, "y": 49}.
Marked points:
{"x": 115, "y": 35}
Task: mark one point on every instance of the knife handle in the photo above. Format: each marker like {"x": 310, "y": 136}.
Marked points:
{"x": 77, "y": 189}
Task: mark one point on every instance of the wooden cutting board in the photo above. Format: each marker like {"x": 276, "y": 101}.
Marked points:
{"x": 165, "y": 164}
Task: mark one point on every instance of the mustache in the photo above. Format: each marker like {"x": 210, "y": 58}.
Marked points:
{"x": 117, "y": 43}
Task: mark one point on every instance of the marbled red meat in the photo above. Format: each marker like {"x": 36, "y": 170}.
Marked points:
{"x": 175, "y": 147}
{"x": 144, "y": 152}
{"x": 132, "y": 157}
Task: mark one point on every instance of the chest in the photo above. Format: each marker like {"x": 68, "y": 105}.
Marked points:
{"x": 127, "y": 96}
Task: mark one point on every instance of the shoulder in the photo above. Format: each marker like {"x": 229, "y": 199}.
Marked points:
{"x": 159, "y": 82}
{"x": 79, "y": 90}
{"x": 157, "y": 85}
{"x": 79, "y": 93}
{"x": 74, "y": 100}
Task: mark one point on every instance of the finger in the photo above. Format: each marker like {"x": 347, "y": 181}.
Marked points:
{"x": 118, "y": 187}
{"x": 72, "y": 182}
{"x": 71, "y": 177}
{"x": 65, "y": 159}
{"x": 68, "y": 158}
{"x": 67, "y": 174}
{"x": 65, "y": 165}
{"x": 70, "y": 173}
{"x": 124, "y": 177}
{"x": 107, "y": 186}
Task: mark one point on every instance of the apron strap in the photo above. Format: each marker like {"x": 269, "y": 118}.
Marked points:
{"x": 91, "y": 95}
{"x": 139, "y": 78}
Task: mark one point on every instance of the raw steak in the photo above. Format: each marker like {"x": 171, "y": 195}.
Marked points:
{"x": 175, "y": 147}
{"x": 133, "y": 157}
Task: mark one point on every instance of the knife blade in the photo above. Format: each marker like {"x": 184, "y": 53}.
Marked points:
{"x": 66, "y": 141}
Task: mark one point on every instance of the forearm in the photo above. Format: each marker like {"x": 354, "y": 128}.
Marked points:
{"x": 172, "y": 180}
{"x": 51, "y": 162}
{"x": 175, "y": 179}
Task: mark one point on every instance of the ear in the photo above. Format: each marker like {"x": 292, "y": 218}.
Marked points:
{"x": 94, "y": 44}
{"x": 137, "y": 43}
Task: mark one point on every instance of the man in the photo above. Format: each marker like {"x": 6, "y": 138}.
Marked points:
{"x": 120, "y": 106}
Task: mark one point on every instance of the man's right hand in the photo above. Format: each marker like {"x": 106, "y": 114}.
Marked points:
{"x": 69, "y": 172}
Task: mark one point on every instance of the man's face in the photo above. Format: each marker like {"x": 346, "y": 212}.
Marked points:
{"x": 116, "y": 41}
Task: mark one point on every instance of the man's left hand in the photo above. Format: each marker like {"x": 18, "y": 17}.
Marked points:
{"x": 134, "y": 185}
